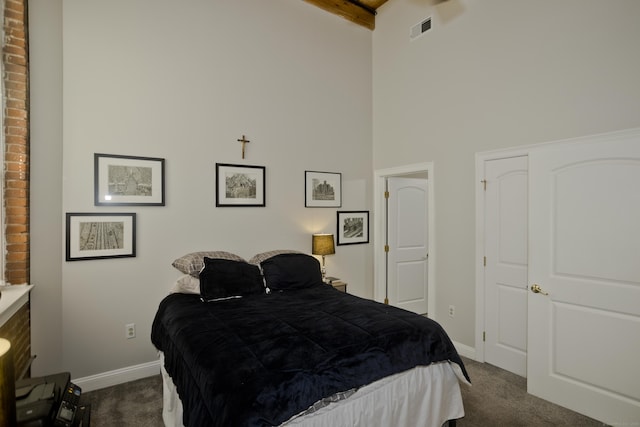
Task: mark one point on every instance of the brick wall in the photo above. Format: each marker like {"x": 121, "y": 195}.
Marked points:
{"x": 15, "y": 58}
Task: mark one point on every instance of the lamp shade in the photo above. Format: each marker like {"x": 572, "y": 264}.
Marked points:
{"x": 322, "y": 244}
{"x": 7, "y": 385}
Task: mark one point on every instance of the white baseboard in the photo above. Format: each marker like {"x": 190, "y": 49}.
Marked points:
{"x": 465, "y": 350}
{"x": 118, "y": 376}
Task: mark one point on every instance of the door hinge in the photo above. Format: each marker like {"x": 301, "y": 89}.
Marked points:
{"x": 484, "y": 261}
{"x": 484, "y": 183}
{"x": 386, "y": 194}
{"x": 484, "y": 336}
{"x": 386, "y": 248}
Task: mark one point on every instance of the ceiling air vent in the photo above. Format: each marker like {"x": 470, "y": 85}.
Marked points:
{"x": 420, "y": 28}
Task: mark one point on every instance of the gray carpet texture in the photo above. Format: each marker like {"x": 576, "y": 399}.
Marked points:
{"x": 496, "y": 398}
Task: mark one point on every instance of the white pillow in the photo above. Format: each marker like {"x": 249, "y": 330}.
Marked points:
{"x": 187, "y": 284}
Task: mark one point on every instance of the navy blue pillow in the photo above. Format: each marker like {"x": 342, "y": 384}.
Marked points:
{"x": 291, "y": 271}
{"x": 223, "y": 278}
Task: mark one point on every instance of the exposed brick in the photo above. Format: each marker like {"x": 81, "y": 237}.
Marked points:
{"x": 16, "y": 131}
{"x": 11, "y": 193}
{"x": 16, "y": 228}
{"x": 14, "y": 50}
{"x": 16, "y": 184}
{"x": 17, "y": 279}
{"x": 15, "y": 59}
{"x": 16, "y": 157}
{"x": 20, "y": 248}
{"x": 16, "y": 6}
{"x": 17, "y": 256}
{"x": 17, "y": 219}
{"x": 16, "y": 144}
{"x": 16, "y": 77}
{"x": 16, "y": 103}
{"x": 16, "y": 113}
{"x": 16, "y": 238}
{"x": 16, "y": 175}
{"x": 16, "y": 211}
{"x": 16, "y": 166}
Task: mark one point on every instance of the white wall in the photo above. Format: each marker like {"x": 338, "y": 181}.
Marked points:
{"x": 45, "y": 58}
{"x": 494, "y": 74}
{"x": 182, "y": 81}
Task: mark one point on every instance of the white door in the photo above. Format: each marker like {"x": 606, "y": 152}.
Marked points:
{"x": 408, "y": 243}
{"x": 505, "y": 273}
{"x": 584, "y": 323}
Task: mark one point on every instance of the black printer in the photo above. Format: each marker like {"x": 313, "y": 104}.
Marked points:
{"x": 50, "y": 401}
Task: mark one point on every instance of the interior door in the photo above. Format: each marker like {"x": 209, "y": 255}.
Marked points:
{"x": 505, "y": 273}
{"x": 408, "y": 243}
{"x": 584, "y": 317}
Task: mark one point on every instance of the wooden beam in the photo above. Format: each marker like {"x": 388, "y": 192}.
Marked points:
{"x": 347, "y": 10}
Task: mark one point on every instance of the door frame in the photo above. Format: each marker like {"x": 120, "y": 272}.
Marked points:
{"x": 379, "y": 235}
{"x": 481, "y": 158}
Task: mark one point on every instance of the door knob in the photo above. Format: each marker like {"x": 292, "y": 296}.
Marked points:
{"x": 536, "y": 289}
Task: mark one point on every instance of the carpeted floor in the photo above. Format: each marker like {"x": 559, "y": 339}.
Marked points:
{"x": 496, "y": 398}
{"x": 133, "y": 404}
{"x": 499, "y": 398}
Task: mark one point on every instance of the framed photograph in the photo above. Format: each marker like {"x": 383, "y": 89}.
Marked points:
{"x": 100, "y": 235}
{"x": 128, "y": 180}
{"x": 322, "y": 189}
{"x": 353, "y": 227}
{"x": 240, "y": 185}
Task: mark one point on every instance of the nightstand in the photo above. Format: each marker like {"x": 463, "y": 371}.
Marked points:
{"x": 336, "y": 283}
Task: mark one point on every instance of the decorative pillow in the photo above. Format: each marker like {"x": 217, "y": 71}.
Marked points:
{"x": 261, "y": 257}
{"x": 187, "y": 284}
{"x": 193, "y": 262}
{"x": 223, "y": 278}
{"x": 291, "y": 271}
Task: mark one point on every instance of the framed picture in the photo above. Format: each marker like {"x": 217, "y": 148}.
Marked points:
{"x": 353, "y": 227}
{"x": 100, "y": 235}
{"x": 322, "y": 189}
{"x": 128, "y": 180}
{"x": 240, "y": 185}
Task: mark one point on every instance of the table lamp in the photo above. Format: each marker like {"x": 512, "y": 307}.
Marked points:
{"x": 322, "y": 244}
{"x": 7, "y": 385}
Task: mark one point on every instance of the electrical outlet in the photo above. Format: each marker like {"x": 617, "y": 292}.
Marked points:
{"x": 452, "y": 310}
{"x": 130, "y": 330}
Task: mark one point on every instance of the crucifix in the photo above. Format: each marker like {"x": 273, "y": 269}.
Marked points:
{"x": 243, "y": 141}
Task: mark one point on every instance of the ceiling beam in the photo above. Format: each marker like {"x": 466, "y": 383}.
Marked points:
{"x": 347, "y": 10}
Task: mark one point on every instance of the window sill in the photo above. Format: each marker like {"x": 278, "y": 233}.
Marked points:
{"x": 13, "y": 297}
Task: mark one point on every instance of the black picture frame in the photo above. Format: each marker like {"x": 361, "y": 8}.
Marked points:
{"x": 100, "y": 235}
{"x": 128, "y": 180}
{"x": 352, "y": 227}
{"x": 240, "y": 185}
{"x": 322, "y": 189}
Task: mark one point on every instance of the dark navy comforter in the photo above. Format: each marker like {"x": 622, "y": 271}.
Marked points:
{"x": 260, "y": 359}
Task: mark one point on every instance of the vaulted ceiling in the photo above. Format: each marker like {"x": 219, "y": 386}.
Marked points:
{"x": 362, "y": 12}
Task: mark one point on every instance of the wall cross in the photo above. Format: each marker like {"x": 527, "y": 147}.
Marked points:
{"x": 243, "y": 141}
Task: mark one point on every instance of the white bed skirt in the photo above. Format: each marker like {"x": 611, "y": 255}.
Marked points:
{"x": 424, "y": 396}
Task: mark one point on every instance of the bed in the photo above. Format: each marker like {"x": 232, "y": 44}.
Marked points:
{"x": 267, "y": 342}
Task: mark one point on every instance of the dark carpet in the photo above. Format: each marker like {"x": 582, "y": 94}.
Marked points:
{"x": 496, "y": 398}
